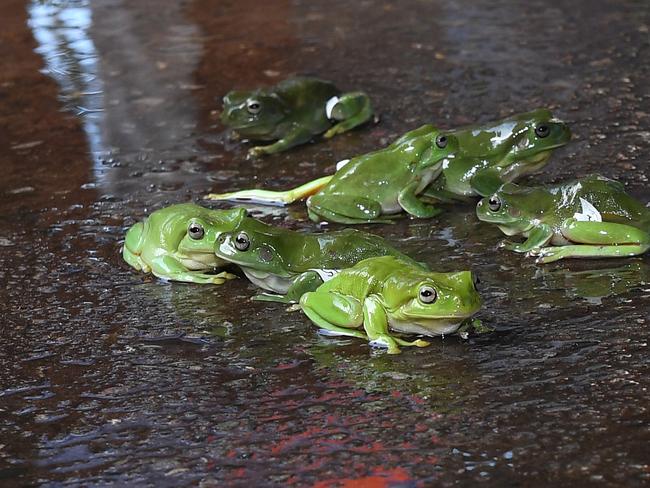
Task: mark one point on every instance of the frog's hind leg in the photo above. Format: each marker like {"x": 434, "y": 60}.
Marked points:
{"x": 597, "y": 240}
{"x": 351, "y": 109}
{"x": 333, "y": 312}
{"x": 273, "y": 197}
{"x": 345, "y": 210}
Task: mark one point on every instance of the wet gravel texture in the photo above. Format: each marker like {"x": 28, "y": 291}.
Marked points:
{"x": 109, "y": 111}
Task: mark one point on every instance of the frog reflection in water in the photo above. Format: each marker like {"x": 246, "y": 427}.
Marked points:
{"x": 588, "y": 218}
{"x": 292, "y": 112}
{"x": 484, "y": 157}
{"x": 177, "y": 243}
{"x": 383, "y": 294}
{"x": 292, "y": 263}
{"x": 372, "y": 187}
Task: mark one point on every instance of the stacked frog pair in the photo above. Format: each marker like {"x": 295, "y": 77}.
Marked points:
{"x": 348, "y": 279}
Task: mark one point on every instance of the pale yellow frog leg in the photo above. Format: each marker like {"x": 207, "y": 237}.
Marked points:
{"x": 274, "y": 197}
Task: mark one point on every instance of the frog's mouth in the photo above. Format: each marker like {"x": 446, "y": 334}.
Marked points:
{"x": 428, "y": 327}
{"x": 199, "y": 261}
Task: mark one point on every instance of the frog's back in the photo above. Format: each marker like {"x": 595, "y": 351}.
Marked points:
{"x": 305, "y": 91}
{"x": 343, "y": 249}
{"x": 613, "y": 202}
{"x": 364, "y": 278}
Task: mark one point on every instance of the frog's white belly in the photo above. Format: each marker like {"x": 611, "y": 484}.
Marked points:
{"x": 268, "y": 281}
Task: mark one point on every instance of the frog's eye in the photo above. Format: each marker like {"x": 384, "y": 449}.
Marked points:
{"x": 242, "y": 242}
{"x": 441, "y": 141}
{"x": 253, "y": 107}
{"x": 428, "y": 294}
{"x": 542, "y": 131}
{"x": 494, "y": 203}
{"x": 196, "y": 231}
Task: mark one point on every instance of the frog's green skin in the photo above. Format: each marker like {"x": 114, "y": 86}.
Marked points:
{"x": 588, "y": 218}
{"x": 292, "y": 112}
{"x": 374, "y": 186}
{"x": 497, "y": 153}
{"x": 385, "y": 293}
{"x": 488, "y": 156}
{"x": 291, "y": 263}
{"x": 163, "y": 245}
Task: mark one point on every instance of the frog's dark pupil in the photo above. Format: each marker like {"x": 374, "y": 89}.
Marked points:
{"x": 426, "y": 293}
{"x": 441, "y": 142}
{"x": 241, "y": 242}
{"x": 542, "y": 131}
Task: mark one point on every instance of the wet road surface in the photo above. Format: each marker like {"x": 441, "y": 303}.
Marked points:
{"x": 109, "y": 111}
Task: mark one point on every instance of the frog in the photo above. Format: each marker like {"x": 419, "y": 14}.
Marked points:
{"x": 292, "y": 112}
{"x": 385, "y": 295}
{"x": 375, "y": 187}
{"x": 590, "y": 217}
{"x": 177, "y": 242}
{"x": 489, "y": 155}
{"x": 289, "y": 263}
{"x": 498, "y": 152}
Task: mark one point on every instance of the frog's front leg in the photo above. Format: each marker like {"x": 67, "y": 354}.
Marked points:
{"x": 352, "y": 109}
{"x": 537, "y": 238}
{"x": 597, "y": 240}
{"x": 410, "y": 202}
{"x": 375, "y": 322}
{"x": 304, "y": 282}
{"x": 335, "y": 313}
{"x": 296, "y": 135}
{"x": 168, "y": 268}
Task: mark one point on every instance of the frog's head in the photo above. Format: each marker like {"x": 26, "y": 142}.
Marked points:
{"x": 441, "y": 151}
{"x": 253, "y": 114}
{"x": 534, "y": 135}
{"x": 200, "y": 231}
{"x": 423, "y": 302}
{"x": 250, "y": 249}
{"x": 511, "y": 208}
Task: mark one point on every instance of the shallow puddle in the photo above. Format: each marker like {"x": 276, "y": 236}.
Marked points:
{"x": 109, "y": 110}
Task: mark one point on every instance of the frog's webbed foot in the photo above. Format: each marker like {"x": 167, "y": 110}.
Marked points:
{"x": 257, "y": 151}
{"x": 351, "y": 109}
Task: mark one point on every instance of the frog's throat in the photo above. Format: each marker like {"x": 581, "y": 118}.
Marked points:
{"x": 197, "y": 261}
{"x": 268, "y": 281}
{"x": 427, "y": 327}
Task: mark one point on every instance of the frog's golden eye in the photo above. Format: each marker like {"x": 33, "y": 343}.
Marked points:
{"x": 441, "y": 141}
{"x": 542, "y": 131}
{"x": 195, "y": 231}
{"x": 494, "y": 203}
{"x": 428, "y": 294}
{"x": 253, "y": 107}
{"x": 242, "y": 242}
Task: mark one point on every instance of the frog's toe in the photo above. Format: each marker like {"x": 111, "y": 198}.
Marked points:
{"x": 421, "y": 343}
{"x": 256, "y": 152}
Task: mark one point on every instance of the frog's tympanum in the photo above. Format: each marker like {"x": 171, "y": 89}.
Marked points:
{"x": 488, "y": 156}
{"x": 292, "y": 112}
{"x": 588, "y": 218}
{"x": 292, "y": 263}
{"x": 177, "y": 243}
{"x": 499, "y": 152}
{"x": 372, "y": 187}
{"x": 385, "y": 294}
